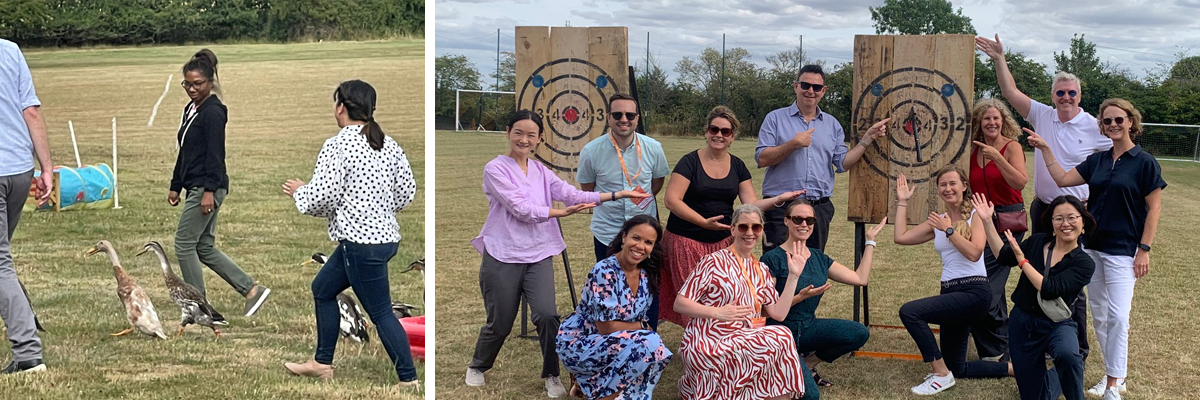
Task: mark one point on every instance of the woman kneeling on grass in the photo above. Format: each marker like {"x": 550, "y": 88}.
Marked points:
{"x": 607, "y": 343}
{"x": 1056, "y": 270}
{"x": 817, "y": 339}
{"x": 362, "y": 179}
{"x": 965, "y": 297}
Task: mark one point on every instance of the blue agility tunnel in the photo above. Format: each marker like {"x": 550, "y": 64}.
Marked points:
{"x": 86, "y": 188}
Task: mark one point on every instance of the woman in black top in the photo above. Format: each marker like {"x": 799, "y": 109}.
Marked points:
{"x": 700, "y": 197}
{"x": 200, "y": 169}
{"x": 1031, "y": 332}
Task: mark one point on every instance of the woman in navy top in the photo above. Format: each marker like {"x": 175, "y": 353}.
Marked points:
{"x": 1125, "y": 196}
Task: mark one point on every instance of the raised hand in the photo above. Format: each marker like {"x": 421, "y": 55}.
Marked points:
{"x": 875, "y": 229}
{"x": 993, "y": 48}
{"x": 903, "y": 192}
{"x": 989, "y": 152}
{"x": 1035, "y": 139}
{"x": 1016, "y": 247}
{"x": 983, "y": 207}
{"x": 797, "y": 258}
{"x": 938, "y": 221}
{"x": 876, "y": 131}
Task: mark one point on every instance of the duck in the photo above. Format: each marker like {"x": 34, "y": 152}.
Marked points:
{"x": 418, "y": 265}
{"x": 402, "y": 310}
{"x": 194, "y": 307}
{"x": 139, "y": 310}
{"x": 353, "y": 325}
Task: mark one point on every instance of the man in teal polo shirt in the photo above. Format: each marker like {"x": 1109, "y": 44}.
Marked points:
{"x": 622, "y": 159}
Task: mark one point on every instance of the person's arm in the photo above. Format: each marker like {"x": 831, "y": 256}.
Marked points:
{"x": 660, "y": 171}
{"x": 1011, "y": 165}
{"x": 1061, "y": 177}
{"x": 747, "y": 195}
{"x": 901, "y": 234}
{"x": 41, "y": 150}
{"x": 405, "y": 188}
{"x": 1071, "y": 279}
{"x": 586, "y": 174}
{"x": 673, "y": 198}
{"x": 319, "y": 197}
{"x": 656, "y": 185}
{"x": 971, "y": 248}
{"x": 778, "y": 310}
{"x": 876, "y": 131}
{"x": 1008, "y": 86}
{"x": 860, "y": 276}
{"x": 770, "y": 156}
{"x": 214, "y": 152}
{"x": 985, "y": 210}
{"x": 1141, "y": 260}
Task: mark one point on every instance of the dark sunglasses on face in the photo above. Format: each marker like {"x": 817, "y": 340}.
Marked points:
{"x": 713, "y": 129}
{"x": 188, "y": 85}
{"x": 813, "y": 86}
{"x": 743, "y": 228}
{"x": 811, "y": 221}
{"x": 1062, "y": 93}
{"x": 616, "y": 115}
{"x": 1118, "y": 120}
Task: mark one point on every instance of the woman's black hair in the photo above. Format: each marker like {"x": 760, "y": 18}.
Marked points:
{"x": 359, "y": 99}
{"x": 651, "y": 263}
{"x": 204, "y": 61}
{"x": 525, "y": 115}
{"x": 1089, "y": 223}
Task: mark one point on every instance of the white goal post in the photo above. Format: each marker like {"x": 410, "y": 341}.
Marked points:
{"x": 1171, "y": 142}
{"x": 458, "y": 107}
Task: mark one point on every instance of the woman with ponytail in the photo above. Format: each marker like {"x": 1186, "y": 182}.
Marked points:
{"x": 362, "y": 179}
{"x": 200, "y": 170}
{"x": 958, "y": 236}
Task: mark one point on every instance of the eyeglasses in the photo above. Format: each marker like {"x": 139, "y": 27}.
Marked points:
{"x": 815, "y": 87}
{"x": 1062, "y": 93}
{"x": 713, "y": 129}
{"x": 811, "y": 221}
{"x": 616, "y": 115}
{"x": 188, "y": 85}
{"x": 1109, "y": 121}
{"x": 1070, "y": 218}
{"x": 743, "y": 228}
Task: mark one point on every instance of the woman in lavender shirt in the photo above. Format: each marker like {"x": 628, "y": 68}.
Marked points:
{"x": 518, "y": 239}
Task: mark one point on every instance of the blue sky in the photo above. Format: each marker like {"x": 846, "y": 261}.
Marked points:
{"x": 1134, "y": 34}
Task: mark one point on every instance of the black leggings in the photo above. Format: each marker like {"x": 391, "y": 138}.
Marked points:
{"x": 955, "y": 309}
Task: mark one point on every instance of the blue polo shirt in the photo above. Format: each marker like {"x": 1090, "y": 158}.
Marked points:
{"x": 16, "y": 94}
{"x": 1117, "y": 198}
{"x": 599, "y": 164}
{"x": 809, "y": 168}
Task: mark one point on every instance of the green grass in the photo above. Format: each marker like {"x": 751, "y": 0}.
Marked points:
{"x": 280, "y": 112}
{"x": 1164, "y": 355}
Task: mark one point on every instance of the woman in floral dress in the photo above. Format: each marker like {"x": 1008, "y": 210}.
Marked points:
{"x": 606, "y": 343}
{"x": 728, "y": 352}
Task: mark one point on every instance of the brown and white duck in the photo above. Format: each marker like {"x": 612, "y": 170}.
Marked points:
{"x": 353, "y": 324}
{"x": 195, "y": 308}
{"x": 138, "y": 308}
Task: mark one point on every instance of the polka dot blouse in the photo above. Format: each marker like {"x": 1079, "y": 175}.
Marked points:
{"x": 359, "y": 189}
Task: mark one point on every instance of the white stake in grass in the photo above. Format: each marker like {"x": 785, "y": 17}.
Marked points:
{"x": 156, "y": 104}
{"x": 117, "y": 200}
{"x": 78, "y": 164}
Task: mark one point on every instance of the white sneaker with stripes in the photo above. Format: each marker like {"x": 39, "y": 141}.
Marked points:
{"x": 934, "y": 384}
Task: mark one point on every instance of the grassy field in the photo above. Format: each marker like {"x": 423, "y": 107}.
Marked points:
{"x": 280, "y": 112}
{"x": 1164, "y": 356}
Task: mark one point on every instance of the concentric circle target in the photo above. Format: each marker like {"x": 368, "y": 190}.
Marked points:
{"x": 572, "y": 105}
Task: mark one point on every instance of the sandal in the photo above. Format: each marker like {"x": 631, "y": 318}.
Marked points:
{"x": 821, "y": 382}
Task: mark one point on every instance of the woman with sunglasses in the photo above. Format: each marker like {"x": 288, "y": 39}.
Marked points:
{"x": 1056, "y": 268}
{"x": 817, "y": 339}
{"x": 1125, "y": 195}
{"x": 518, "y": 238}
{"x": 607, "y": 342}
{"x": 998, "y": 170}
{"x": 700, "y": 197}
{"x": 361, "y": 180}
{"x": 728, "y": 351}
{"x": 200, "y": 170}
{"x": 958, "y": 236}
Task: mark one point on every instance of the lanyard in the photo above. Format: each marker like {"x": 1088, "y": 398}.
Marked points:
{"x": 636, "y": 143}
{"x": 749, "y": 283}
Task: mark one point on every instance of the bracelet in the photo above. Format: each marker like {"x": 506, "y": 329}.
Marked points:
{"x": 871, "y": 243}
{"x": 1023, "y": 262}
{"x": 1051, "y": 163}
{"x": 614, "y": 196}
{"x": 779, "y": 204}
{"x": 899, "y": 204}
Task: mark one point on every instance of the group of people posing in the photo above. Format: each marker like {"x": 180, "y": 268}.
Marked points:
{"x": 750, "y": 325}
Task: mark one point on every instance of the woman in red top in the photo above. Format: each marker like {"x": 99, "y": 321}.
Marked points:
{"x": 998, "y": 171}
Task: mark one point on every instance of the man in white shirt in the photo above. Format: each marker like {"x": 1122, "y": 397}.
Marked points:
{"x": 1072, "y": 134}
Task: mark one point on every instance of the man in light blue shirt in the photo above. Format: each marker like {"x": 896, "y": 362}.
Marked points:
{"x": 802, "y": 147}
{"x": 22, "y": 134}
{"x": 622, "y": 159}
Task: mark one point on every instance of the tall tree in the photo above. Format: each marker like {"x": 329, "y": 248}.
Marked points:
{"x": 507, "y": 74}
{"x": 452, "y": 72}
{"x": 920, "y": 17}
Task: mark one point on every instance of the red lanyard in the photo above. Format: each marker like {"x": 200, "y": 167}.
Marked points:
{"x": 749, "y": 283}
{"x": 636, "y": 143}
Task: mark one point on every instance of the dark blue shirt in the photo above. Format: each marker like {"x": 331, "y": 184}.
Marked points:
{"x": 1117, "y": 198}
{"x": 816, "y": 273}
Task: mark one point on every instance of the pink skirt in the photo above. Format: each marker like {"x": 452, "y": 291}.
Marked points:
{"x": 680, "y": 255}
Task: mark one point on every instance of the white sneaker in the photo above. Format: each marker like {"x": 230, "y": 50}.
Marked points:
{"x": 934, "y": 384}
{"x": 1112, "y": 394}
{"x": 475, "y": 377}
{"x": 554, "y": 387}
{"x": 1098, "y": 389}
{"x": 992, "y": 358}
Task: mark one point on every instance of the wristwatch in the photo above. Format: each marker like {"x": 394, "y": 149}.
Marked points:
{"x": 1144, "y": 247}
{"x": 949, "y": 231}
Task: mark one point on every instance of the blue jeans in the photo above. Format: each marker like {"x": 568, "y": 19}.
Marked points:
{"x": 829, "y": 339}
{"x": 1030, "y": 338}
{"x": 365, "y": 268}
{"x": 652, "y": 313}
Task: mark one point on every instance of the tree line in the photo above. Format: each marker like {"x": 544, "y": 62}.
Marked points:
{"x": 1167, "y": 94}
{"x": 123, "y": 22}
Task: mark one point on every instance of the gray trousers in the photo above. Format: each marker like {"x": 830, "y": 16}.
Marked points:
{"x": 14, "y": 306}
{"x": 195, "y": 245}
{"x": 502, "y": 285}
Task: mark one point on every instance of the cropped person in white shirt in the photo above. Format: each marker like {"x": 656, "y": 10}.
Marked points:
{"x": 361, "y": 180}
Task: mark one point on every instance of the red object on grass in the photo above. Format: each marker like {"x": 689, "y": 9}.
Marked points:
{"x": 414, "y": 327}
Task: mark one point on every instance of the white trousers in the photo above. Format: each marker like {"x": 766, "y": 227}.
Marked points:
{"x": 1111, "y": 296}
